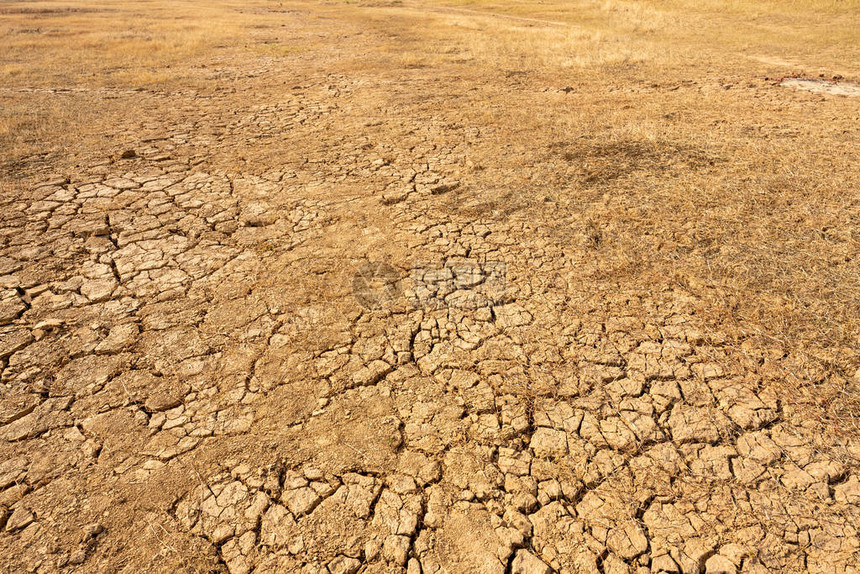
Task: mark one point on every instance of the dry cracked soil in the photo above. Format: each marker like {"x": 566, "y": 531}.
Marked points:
{"x": 396, "y": 299}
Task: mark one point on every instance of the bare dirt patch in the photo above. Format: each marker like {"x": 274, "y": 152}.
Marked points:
{"x": 819, "y": 86}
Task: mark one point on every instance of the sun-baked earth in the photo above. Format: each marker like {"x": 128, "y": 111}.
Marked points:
{"x": 428, "y": 287}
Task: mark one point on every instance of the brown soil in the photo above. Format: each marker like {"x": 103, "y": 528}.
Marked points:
{"x": 391, "y": 287}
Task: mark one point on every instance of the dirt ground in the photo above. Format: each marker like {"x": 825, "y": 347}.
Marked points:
{"x": 430, "y": 287}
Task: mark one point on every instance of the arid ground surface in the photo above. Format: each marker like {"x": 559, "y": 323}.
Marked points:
{"x": 428, "y": 287}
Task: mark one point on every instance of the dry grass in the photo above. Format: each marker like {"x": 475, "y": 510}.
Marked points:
{"x": 650, "y": 124}
{"x": 112, "y": 43}
{"x": 95, "y": 55}
{"x": 694, "y": 170}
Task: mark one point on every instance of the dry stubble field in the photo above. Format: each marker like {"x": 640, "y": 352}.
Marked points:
{"x": 615, "y": 329}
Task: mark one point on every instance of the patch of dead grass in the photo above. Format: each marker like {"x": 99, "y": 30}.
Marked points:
{"x": 643, "y": 130}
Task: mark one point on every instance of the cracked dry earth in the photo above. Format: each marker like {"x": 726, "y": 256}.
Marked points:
{"x": 190, "y": 384}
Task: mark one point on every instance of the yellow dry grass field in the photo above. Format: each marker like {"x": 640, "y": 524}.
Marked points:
{"x": 402, "y": 286}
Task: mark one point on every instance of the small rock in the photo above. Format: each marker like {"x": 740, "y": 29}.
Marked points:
{"x": 78, "y": 556}
{"x": 313, "y": 473}
{"x": 527, "y": 563}
{"x": 718, "y": 564}
{"x": 344, "y": 565}
{"x": 848, "y": 492}
{"x": 98, "y": 290}
{"x": 372, "y": 373}
{"x": 301, "y": 501}
{"x": 372, "y": 548}
{"x": 91, "y": 448}
{"x": 549, "y": 443}
{"x": 615, "y": 565}
{"x": 628, "y": 541}
{"x": 395, "y": 549}
{"x": 118, "y": 339}
{"x": 63, "y": 560}
{"x": 735, "y": 553}
{"x": 444, "y": 187}
{"x": 525, "y": 502}
{"x": 162, "y": 401}
{"x": 21, "y": 518}
{"x": 402, "y": 484}
{"x": 694, "y": 424}
{"x": 664, "y": 563}
{"x": 93, "y": 530}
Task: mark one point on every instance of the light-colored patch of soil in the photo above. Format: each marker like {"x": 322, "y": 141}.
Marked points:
{"x": 817, "y": 86}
